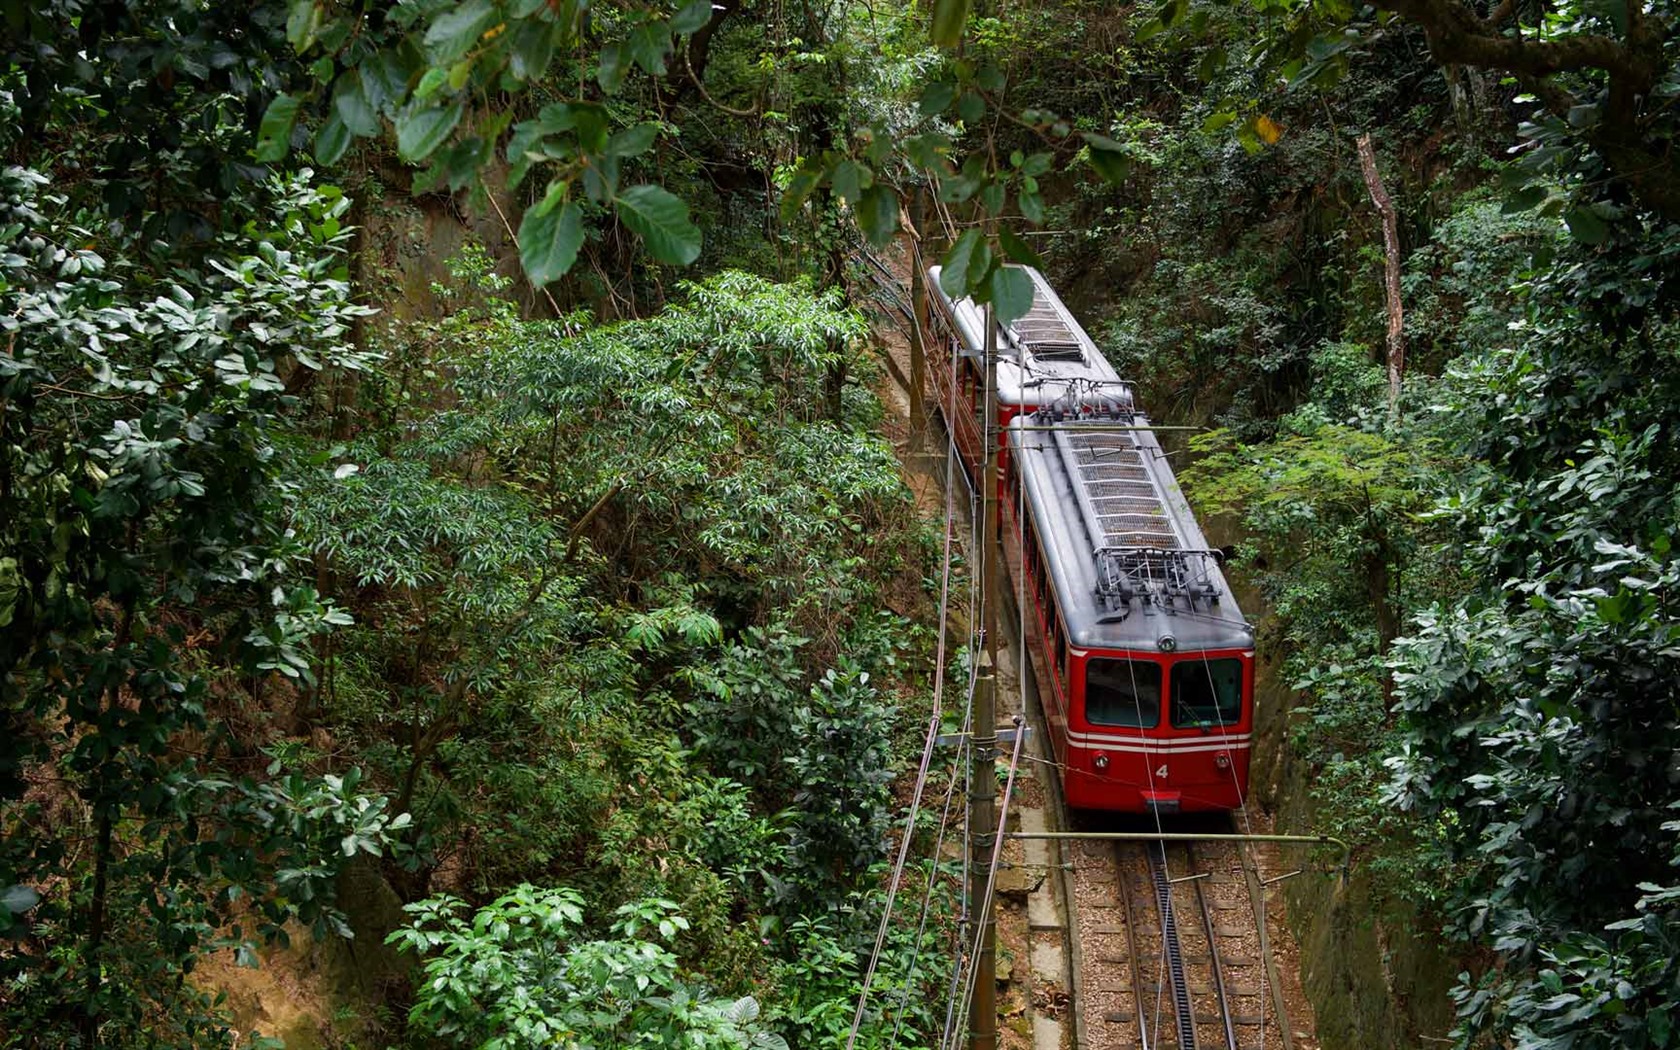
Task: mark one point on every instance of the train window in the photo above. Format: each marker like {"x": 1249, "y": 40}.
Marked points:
{"x": 1122, "y": 693}
{"x": 1206, "y": 693}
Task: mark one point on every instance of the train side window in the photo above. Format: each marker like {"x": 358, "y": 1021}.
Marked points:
{"x": 1206, "y": 693}
{"x": 1123, "y": 693}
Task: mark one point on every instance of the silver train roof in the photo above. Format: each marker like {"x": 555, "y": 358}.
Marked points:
{"x": 1129, "y": 561}
{"x": 1043, "y": 357}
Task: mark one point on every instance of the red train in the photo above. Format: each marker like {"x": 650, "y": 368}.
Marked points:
{"x": 1144, "y": 663}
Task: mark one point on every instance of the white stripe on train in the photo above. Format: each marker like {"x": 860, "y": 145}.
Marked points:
{"x": 1089, "y": 743}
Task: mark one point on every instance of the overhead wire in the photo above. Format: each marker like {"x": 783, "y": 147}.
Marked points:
{"x": 934, "y": 721}
{"x": 991, "y": 880}
{"x": 959, "y": 753}
{"x": 956, "y": 1009}
{"x": 956, "y": 1004}
{"x": 927, "y": 907}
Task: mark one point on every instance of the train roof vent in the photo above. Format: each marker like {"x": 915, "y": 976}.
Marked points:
{"x": 1138, "y": 551}
{"x": 1122, "y": 506}
{"x": 1045, "y": 333}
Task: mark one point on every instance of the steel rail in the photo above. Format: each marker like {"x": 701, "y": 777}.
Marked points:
{"x": 1257, "y": 904}
{"x": 1214, "y": 962}
{"x": 1122, "y": 886}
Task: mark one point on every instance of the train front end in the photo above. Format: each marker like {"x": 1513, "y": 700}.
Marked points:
{"x": 1168, "y": 732}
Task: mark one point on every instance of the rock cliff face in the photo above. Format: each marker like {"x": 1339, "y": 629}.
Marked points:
{"x": 1378, "y": 978}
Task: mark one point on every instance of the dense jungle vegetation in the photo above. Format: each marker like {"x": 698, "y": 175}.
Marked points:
{"x": 568, "y": 596}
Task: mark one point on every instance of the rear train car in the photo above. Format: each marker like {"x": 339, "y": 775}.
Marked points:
{"x": 1043, "y": 358}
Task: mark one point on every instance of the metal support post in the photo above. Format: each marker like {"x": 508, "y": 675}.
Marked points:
{"x": 990, "y": 481}
{"x": 982, "y": 840}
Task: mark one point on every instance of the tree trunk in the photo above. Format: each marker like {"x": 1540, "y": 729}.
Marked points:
{"x": 834, "y": 383}
{"x": 1391, "y": 283}
{"x": 92, "y": 959}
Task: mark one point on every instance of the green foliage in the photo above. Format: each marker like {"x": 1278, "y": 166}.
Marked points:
{"x": 1541, "y": 712}
{"x": 522, "y": 974}
{"x": 841, "y": 765}
{"x": 149, "y": 119}
{"x": 1460, "y": 288}
{"x": 1317, "y": 503}
{"x": 145, "y": 466}
{"x": 1581, "y": 68}
{"x": 617, "y": 602}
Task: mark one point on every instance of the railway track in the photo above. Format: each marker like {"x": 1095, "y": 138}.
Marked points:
{"x": 1181, "y": 959}
{"x": 1169, "y": 953}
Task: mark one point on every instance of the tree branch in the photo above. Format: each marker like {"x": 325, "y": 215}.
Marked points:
{"x": 1391, "y": 274}
{"x": 1458, "y": 35}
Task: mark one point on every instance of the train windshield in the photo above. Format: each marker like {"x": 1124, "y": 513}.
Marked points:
{"x": 1122, "y": 693}
{"x": 1206, "y": 693}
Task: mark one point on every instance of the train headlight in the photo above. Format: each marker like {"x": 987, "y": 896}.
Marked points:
{"x": 1167, "y": 643}
{"x": 1101, "y": 762}
{"x": 1222, "y": 760}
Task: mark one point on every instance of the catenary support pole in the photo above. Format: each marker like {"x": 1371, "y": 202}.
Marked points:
{"x": 919, "y": 321}
{"x": 989, "y": 483}
{"x": 982, "y": 837}
{"x": 982, "y": 1014}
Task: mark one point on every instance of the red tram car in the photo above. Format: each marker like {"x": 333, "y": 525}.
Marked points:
{"x": 1144, "y": 663}
{"x": 1044, "y": 358}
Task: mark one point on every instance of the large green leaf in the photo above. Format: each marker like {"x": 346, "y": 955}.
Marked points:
{"x": 877, "y": 214}
{"x": 633, "y": 141}
{"x": 274, "y": 135}
{"x": 969, "y": 253}
{"x": 303, "y": 22}
{"x": 331, "y": 141}
{"x": 549, "y": 241}
{"x": 1586, "y": 225}
{"x": 531, "y": 49}
{"x": 422, "y": 130}
{"x": 648, "y": 45}
{"x": 1523, "y": 199}
{"x": 950, "y": 18}
{"x": 1018, "y": 249}
{"x": 1109, "y": 158}
{"x": 661, "y": 220}
{"x": 610, "y": 72}
{"x": 354, "y": 108}
{"x": 384, "y": 81}
{"x": 1032, "y": 206}
{"x": 691, "y": 17}
{"x": 453, "y": 33}
{"x": 936, "y": 97}
{"x": 850, "y": 179}
{"x": 16, "y": 900}
{"x": 1012, "y": 293}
